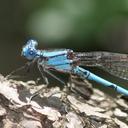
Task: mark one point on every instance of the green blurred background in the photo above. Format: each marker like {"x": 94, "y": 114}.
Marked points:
{"x": 82, "y": 25}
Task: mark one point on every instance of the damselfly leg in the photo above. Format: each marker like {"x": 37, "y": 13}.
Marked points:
{"x": 11, "y": 75}
{"x": 26, "y": 66}
{"x": 55, "y": 77}
{"x": 44, "y": 71}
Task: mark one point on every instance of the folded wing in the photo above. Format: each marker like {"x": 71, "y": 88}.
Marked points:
{"x": 114, "y": 63}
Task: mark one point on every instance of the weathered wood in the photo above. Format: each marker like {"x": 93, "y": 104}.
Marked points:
{"x": 56, "y": 108}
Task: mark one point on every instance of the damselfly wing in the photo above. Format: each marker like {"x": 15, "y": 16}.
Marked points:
{"x": 114, "y": 63}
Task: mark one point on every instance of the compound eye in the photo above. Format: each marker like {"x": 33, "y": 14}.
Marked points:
{"x": 31, "y": 52}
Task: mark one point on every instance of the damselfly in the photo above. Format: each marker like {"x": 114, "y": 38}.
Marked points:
{"x": 68, "y": 61}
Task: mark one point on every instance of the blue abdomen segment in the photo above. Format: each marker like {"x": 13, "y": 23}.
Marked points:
{"x": 90, "y": 76}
